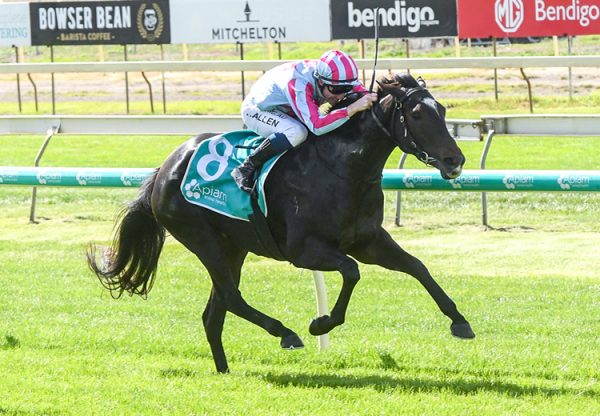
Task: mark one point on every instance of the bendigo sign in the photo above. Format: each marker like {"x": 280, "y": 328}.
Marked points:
{"x": 355, "y": 19}
{"x": 106, "y": 22}
{"x": 520, "y": 18}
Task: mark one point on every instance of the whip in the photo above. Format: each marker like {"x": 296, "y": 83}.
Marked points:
{"x": 376, "y": 48}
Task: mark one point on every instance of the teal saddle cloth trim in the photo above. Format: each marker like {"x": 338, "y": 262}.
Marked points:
{"x": 208, "y": 182}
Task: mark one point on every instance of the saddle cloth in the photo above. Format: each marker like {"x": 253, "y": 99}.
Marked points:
{"x": 208, "y": 182}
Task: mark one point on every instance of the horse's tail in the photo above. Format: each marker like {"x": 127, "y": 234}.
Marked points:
{"x": 129, "y": 264}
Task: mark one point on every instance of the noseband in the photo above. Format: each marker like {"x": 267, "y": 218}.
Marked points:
{"x": 406, "y": 142}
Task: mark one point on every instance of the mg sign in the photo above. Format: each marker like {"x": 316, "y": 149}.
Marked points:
{"x": 521, "y": 18}
{"x": 509, "y": 15}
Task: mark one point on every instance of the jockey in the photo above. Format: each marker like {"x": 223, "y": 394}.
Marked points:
{"x": 283, "y": 105}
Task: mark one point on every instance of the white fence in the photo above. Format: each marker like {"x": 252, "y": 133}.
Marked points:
{"x": 264, "y": 65}
{"x": 165, "y": 125}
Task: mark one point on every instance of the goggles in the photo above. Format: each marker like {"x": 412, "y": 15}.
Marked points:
{"x": 339, "y": 89}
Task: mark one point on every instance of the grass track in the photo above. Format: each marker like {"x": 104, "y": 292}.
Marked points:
{"x": 68, "y": 348}
{"x": 530, "y": 287}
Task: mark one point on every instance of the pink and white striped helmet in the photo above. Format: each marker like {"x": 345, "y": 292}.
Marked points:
{"x": 336, "y": 68}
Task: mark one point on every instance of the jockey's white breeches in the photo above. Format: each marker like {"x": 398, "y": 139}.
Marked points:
{"x": 266, "y": 123}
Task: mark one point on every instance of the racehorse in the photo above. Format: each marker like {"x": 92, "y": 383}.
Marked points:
{"x": 325, "y": 213}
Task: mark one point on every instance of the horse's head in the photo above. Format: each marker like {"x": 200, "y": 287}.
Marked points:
{"x": 415, "y": 122}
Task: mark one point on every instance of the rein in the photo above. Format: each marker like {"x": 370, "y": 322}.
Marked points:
{"x": 406, "y": 143}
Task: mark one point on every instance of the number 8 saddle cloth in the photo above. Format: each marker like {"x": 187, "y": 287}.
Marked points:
{"x": 208, "y": 182}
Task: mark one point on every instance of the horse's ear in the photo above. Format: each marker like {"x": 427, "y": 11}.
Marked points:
{"x": 421, "y": 82}
{"x": 394, "y": 89}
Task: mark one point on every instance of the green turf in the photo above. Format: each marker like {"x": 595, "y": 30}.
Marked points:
{"x": 529, "y": 286}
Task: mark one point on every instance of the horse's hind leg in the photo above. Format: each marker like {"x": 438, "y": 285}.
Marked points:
{"x": 234, "y": 302}
{"x": 385, "y": 252}
{"x": 213, "y": 319}
{"x": 223, "y": 262}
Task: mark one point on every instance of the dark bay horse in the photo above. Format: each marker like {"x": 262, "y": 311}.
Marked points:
{"x": 325, "y": 213}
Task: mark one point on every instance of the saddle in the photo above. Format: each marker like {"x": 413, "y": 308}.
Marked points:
{"x": 208, "y": 183}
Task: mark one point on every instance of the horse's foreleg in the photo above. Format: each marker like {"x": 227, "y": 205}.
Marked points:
{"x": 351, "y": 276}
{"x": 316, "y": 255}
{"x": 385, "y": 252}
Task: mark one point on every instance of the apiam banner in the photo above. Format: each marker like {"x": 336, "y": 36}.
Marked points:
{"x": 14, "y": 24}
{"x": 244, "y": 21}
{"x": 100, "y": 22}
{"x": 355, "y": 19}
{"x": 520, "y": 18}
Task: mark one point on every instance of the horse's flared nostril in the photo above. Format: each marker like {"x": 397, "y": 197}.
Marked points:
{"x": 454, "y": 162}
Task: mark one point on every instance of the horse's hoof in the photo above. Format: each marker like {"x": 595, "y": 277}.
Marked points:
{"x": 320, "y": 325}
{"x": 463, "y": 331}
{"x": 223, "y": 370}
{"x": 291, "y": 342}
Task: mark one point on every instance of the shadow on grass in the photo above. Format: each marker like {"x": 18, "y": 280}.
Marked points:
{"x": 390, "y": 381}
{"x": 382, "y": 383}
{"x": 17, "y": 412}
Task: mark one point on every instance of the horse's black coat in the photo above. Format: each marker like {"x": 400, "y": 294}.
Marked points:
{"x": 325, "y": 212}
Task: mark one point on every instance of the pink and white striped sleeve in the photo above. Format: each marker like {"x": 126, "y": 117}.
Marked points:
{"x": 301, "y": 95}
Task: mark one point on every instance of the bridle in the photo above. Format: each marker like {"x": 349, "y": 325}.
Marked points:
{"x": 406, "y": 142}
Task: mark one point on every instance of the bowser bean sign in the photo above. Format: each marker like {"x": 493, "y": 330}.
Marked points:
{"x": 99, "y": 22}
{"x": 520, "y": 18}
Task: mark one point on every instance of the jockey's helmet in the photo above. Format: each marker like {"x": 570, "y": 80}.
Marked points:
{"x": 336, "y": 68}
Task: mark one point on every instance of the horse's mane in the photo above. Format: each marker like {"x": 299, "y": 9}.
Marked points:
{"x": 402, "y": 80}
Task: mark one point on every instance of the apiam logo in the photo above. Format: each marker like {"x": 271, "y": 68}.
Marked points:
{"x": 194, "y": 190}
{"x": 573, "y": 181}
{"x": 132, "y": 178}
{"x": 414, "y": 180}
{"x": 517, "y": 181}
{"x": 509, "y": 14}
{"x": 9, "y": 176}
{"x": 45, "y": 177}
{"x": 467, "y": 181}
{"x": 88, "y": 178}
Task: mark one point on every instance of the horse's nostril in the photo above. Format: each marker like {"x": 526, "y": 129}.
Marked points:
{"x": 454, "y": 161}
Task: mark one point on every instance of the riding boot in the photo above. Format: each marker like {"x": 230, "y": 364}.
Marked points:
{"x": 243, "y": 175}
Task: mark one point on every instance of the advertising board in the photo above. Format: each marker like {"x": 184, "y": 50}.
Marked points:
{"x": 522, "y": 18}
{"x": 100, "y": 22}
{"x": 244, "y": 21}
{"x": 355, "y": 19}
{"x": 14, "y": 24}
